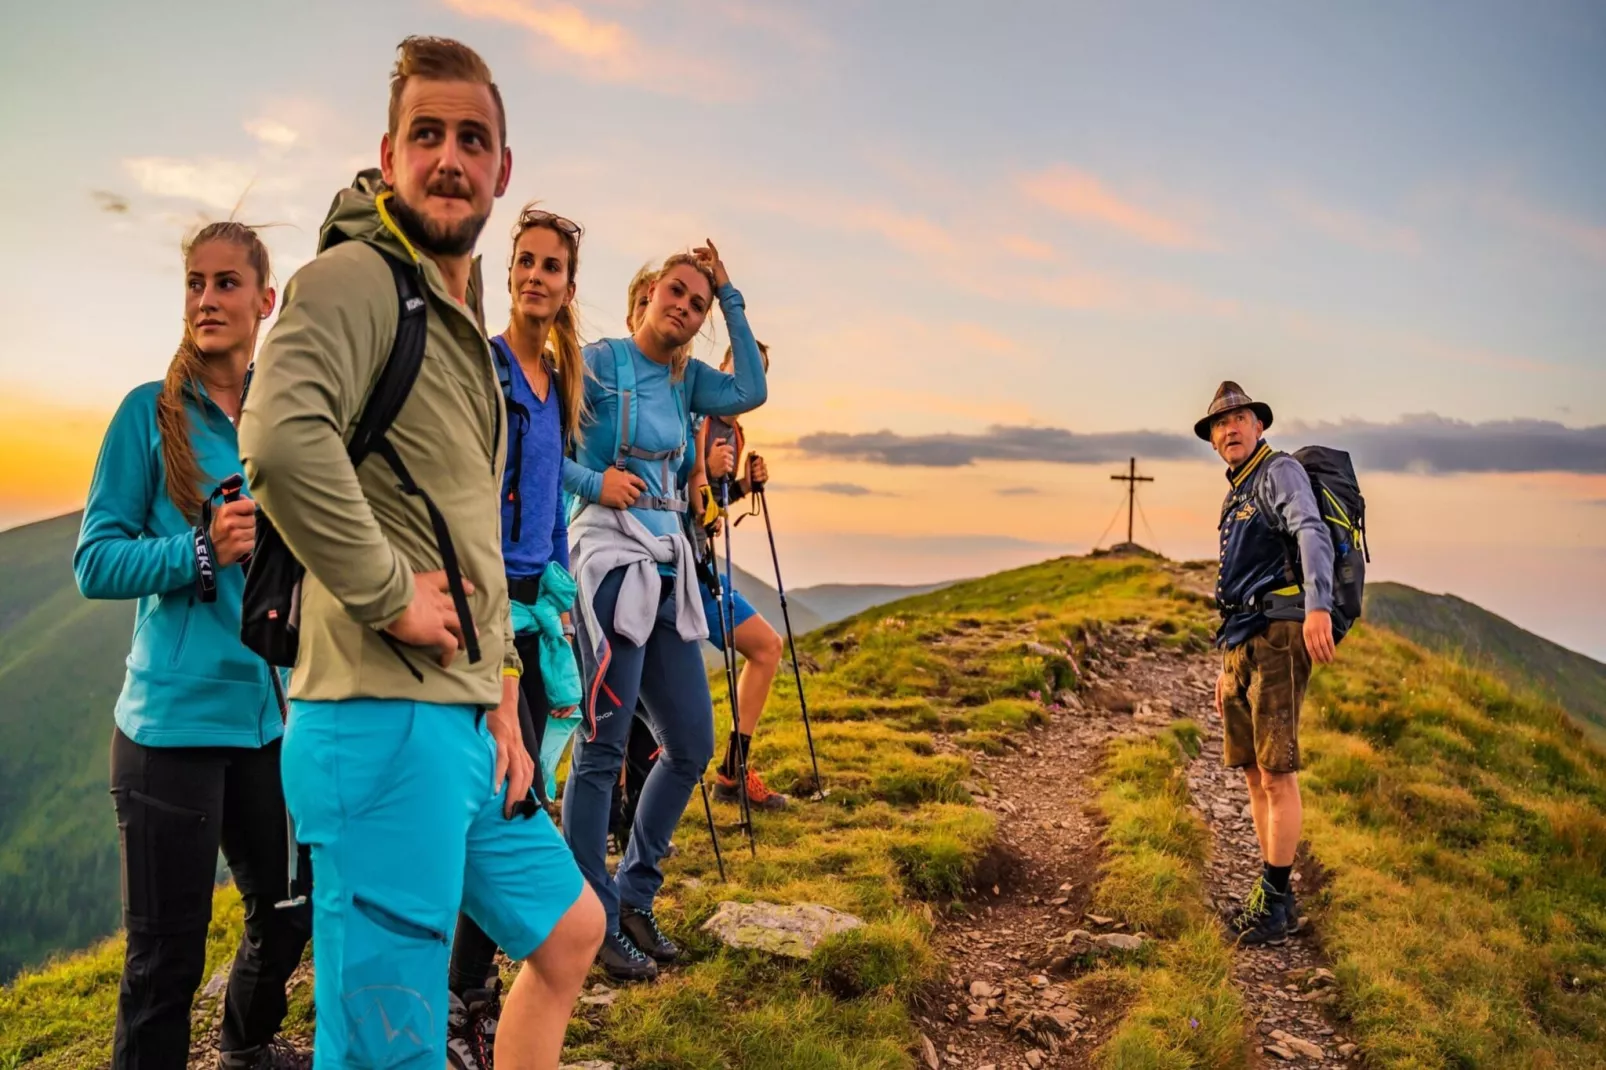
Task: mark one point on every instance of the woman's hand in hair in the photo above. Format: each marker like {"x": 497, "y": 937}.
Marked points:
{"x": 234, "y": 531}
{"x": 708, "y": 253}
{"x": 620, "y": 488}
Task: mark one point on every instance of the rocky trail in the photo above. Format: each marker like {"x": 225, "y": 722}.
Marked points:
{"x": 1003, "y": 1006}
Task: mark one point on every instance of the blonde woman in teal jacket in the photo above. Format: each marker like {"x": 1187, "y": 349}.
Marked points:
{"x": 195, "y": 751}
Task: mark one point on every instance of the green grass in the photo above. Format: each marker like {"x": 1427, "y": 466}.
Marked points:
{"x": 1185, "y": 1012}
{"x": 1465, "y": 827}
{"x": 1462, "y": 825}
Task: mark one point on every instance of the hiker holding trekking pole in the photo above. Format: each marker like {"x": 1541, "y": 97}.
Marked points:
{"x": 641, "y": 618}
{"x": 195, "y": 751}
{"x": 721, "y": 445}
{"x": 1289, "y": 587}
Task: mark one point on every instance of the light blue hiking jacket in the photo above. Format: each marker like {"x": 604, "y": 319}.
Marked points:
{"x": 190, "y": 681}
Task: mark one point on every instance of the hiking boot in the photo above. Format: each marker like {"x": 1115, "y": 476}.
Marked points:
{"x": 642, "y": 929}
{"x": 471, "y": 1027}
{"x": 1267, "y": 917}
{"x": 759, "y": 795}
{"x": 623, "y": 961}
{"x": 276, "y": 1054}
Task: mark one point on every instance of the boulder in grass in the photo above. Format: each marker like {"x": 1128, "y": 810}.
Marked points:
{"x": 793, "y": 930}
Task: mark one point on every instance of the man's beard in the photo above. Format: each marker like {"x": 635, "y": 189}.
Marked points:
{"x": 432, "y": 238}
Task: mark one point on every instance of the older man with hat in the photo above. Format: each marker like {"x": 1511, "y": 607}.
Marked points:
{"x": 1275, "y": 593}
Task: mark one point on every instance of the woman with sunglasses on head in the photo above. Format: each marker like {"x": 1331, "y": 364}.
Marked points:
{"x": 195, "y": 754}
{"x": 641, "y": 617}
{"x": 539, "y": 363}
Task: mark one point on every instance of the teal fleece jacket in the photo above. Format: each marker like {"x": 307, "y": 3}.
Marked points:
{"x": 190, "y": 681}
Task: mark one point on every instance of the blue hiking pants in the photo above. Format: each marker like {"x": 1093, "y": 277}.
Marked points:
{"x": 667, "y": 675}
{"x": 395, "y": 800}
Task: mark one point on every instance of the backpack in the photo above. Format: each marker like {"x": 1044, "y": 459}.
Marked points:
{"x": 270, "y": 621}
{"x": 624, "y": 377}
{"x": 1338, "y": 498}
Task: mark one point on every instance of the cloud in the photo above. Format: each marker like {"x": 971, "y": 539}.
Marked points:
{"x": 272, "y": 132}
{"x": 1423, "y": 444}
{"x": 841, "y": 490}
{"x": 213, "y": 182}
{"x": 1018, "y": 492}
{"x": 1428, "y": 443}
{"x": 604, "y": 50}
{"x": 110, "y": 202}
{"x": 975, "y": 336}
{"x": 1050, "y": 444}
{"x": 1079, "y": 195}
{"x": 1353, "y": 228}
{"x": 1028, "y": 248}
{"x": 1583, "y": 236}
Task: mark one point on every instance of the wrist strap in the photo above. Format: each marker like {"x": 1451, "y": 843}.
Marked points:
{"x": 205, "y": 556}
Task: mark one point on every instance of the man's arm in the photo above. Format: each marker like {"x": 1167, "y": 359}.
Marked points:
{"x": 312, "y": 377}
{"x": 1287, "y": 493}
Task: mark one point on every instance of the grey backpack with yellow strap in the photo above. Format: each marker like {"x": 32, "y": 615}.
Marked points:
{"x": 1338, "y": 497}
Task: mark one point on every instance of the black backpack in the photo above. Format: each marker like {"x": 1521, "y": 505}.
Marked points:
{"x": 1338, "y": 497}
{"x": 271, "y": 614}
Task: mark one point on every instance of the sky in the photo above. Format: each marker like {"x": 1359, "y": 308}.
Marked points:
{"x": 994, "y": 251}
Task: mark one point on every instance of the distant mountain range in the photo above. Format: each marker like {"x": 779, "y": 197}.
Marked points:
{"x": 1451, "y": 625}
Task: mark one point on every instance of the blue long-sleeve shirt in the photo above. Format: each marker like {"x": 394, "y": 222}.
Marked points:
{"x": 191, "y": 682}
{"x": 534, "y": 469}
{"x": 659, "y": 425}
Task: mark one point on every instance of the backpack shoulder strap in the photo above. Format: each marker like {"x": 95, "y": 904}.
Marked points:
{"x": 400, "y": 370}
{"x": 624, "y": 384}
{"x": 504, "y": 366}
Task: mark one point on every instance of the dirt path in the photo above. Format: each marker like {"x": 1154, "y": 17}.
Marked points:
{"x": 1287, "y": 989}
{"x": 996, "y": 1009}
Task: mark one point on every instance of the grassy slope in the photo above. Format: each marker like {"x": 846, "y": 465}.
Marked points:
{"x": 1465, "y": 828}
{"x": 1461, "y": 824}
{"x": 61, "y": 665}
{"x": 896, "y": 831}
{"x": 1455, "y": 626}
{"x": 832, "y": 602}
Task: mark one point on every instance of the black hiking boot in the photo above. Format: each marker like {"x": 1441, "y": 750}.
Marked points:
{"x": 623, "y": 961}
{"x": 1268, "y": 917}
{"x": 277, "y": 1054}
{"x": 642, "y": 929}
{"x": 471, "y": 1027}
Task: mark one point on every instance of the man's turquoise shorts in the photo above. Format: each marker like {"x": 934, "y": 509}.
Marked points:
{"x": 395, "y": 800}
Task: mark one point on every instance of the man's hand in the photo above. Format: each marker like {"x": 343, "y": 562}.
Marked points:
{"x": 758, "y": 473}
{"x": 513, "y": 762}
{"x": 1319, "y": 636}
{"x": 234, "y": 531}
{"x": 721, "y": 459}
{"x": 1221, "y": 693}
{"x": 430, "y": 620}
{"x": 620, "y": 488}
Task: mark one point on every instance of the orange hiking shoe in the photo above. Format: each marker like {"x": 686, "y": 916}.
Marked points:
{"x": 759, "y": 795}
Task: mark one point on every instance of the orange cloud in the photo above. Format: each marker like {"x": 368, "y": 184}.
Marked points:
{"x": 1353, "y": 228}
{"x": 1080, "y": 195}
{"x": 606, "y": 51}
{"x": 1028, "y": 248}
{"x": 1581, "y": 235}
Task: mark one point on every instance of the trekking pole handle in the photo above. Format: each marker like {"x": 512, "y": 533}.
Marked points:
{"x": 232, "y": 488}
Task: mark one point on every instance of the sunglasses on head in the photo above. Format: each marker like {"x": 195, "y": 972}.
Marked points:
{"x": 539, "y": 217}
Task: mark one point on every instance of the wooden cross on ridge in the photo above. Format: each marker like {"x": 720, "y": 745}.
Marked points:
{"x": 1131, "y": 479}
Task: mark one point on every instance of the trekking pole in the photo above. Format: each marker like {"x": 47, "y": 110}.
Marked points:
{"x": 727, "y": 623}
{"x": 791, "y": 643}
{"x": 232, "y": 488}
{"x": 708, "y": 810}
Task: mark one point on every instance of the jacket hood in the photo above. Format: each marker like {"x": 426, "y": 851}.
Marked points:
{"x": 359, "y": 213}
